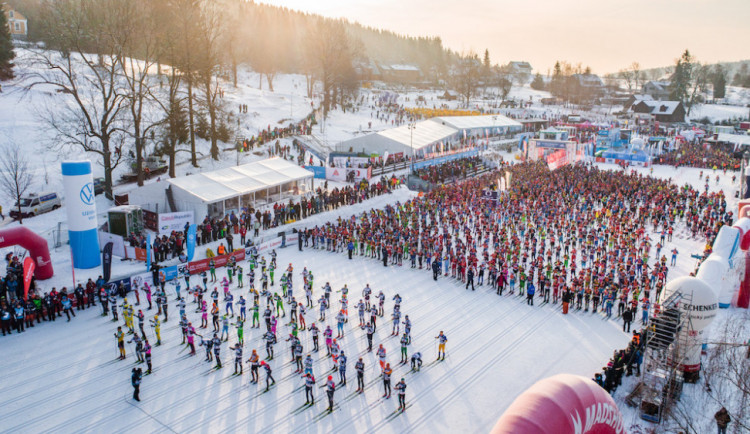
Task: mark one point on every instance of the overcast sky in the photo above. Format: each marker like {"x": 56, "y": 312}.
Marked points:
{"x": 604, "y": 34}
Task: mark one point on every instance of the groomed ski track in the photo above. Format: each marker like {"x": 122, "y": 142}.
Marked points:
{"x": 498, "y": 346}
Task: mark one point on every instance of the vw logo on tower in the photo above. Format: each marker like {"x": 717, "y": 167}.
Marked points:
{"x": 87, "y": 194}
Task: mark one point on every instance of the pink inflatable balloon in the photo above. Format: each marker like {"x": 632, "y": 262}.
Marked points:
{"x": 562, "y": 404}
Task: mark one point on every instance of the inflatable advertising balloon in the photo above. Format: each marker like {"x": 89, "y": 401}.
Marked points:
{"x": 562, "y": 404}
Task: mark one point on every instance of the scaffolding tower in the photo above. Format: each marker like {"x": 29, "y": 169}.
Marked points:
{"x": 666, "y": 341}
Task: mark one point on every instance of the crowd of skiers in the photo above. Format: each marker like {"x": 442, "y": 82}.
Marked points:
{"x": 266, "y": 307}
{"x": 452, "y": 170}
{"x": 701, "y": 155}
{"x": 580, "y": 237}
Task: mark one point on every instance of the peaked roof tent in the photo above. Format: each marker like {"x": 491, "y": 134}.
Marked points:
{"x": 425, "y": 133}
{"x": 240, "y": 180}
{"x": 472, "y": 122}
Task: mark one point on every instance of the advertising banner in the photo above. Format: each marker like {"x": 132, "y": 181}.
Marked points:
{"x": 28, "y": 272}
{"x": 348, "y": 174}
{"x": 175, "y": 221}
{"x": 201, "y": 265}
{"x": 80, "y": 205}
{"x": 319, "y": 172}
{"x": 150, "y": 220}
{"x": 354, "y": 162}
{"x": 107, "y": 261}
{"x": 445, "y": 159}
{"x": 191, "y": 242}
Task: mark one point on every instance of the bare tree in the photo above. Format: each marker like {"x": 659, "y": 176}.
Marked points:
{"x": 635, "y": 68}
{"x": 210, "y": 28}
{"x": 466, "y": 76}
{"x": 89, "y": 113}
{"x": 138, "y": 35}
{"x": 15, "y": 175}
{"x": 330, "y": 51}
{"x": 626, "y": 75}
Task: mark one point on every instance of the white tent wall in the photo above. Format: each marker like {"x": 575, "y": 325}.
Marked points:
{"x": 151, "y": 197}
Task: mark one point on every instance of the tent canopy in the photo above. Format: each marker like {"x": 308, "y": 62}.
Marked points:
{"x": 474, "y": 122}
{"x": 240, "y": 180}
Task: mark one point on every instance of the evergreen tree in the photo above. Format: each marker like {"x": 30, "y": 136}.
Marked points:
{"x": 538, "y": 82}
{"x": 487, "y": 58}
{"x": 680, "y": 80}
{"x": 719, "y": 81}
{"x": 6, "y": 49}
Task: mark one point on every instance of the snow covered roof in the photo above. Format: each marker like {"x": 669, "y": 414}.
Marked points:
{"x": 472, "y": 122}
{"x": 234, "y": 181}
{"x": 736, "y": 139}
{"x": 424, "y": 134}
{"x": 662, "y": 107}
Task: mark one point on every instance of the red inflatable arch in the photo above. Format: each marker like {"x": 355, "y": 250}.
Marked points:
{"x": 36, "y": 245}
{"x": 563, "y": 404}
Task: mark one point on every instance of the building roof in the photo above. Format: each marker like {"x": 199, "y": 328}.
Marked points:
{"x": 659, "y": 85}
{"x": 234, "y": 181}
{"x": 520, "y": 65}
{"x": 662, "y": 107}
{"x": 588, "y": 79}
{"x": 424, "y": 134}
{"x": 473, "y": 122}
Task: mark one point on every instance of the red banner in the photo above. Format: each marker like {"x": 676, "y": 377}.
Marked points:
{"x": 28, "y": 272}
{"x": 200, "y": 266}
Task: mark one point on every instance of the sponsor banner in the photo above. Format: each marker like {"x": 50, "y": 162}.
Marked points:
{"x": 354, "y": 162}
{"x": 446, "y": 158}
{"x": 319, "y": 172}
{"x": 28, "y": 272}
{"x": 200, "y": 266}
{"x": 600, "y": 160}
{"x": 347, "y": 174}
{"x": 137, "y": 280}
{"x": 118, "y": 243}
{"x": 191, "y": 235}
{"x": 292, "y": 238}
{"x": 112, "y": 286}
{"x": 549, "y": 144}
{"x": 175, "y": 221}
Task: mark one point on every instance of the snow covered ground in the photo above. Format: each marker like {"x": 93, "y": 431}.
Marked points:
{"x": 498, "y": 346}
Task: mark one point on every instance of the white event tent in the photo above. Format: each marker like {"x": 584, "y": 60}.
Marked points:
{"x": 253, "y": 185}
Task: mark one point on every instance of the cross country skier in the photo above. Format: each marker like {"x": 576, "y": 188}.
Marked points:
{"x": 241, "y": 303}
{"x": 323, "y": 306}
{"x": 335, "y": 349}
{"x": 270, "y": 340}
{"x": 217, "y": 351}
{"x": 138, "y": 347}
{"x": 237, "y": 358}
{"x": 381, "y": 356}
{"x": 254, "y": 361}
{"x": 120, "y": 336}
{"x": 401, "y": 388}
{"x": 381, "y": 305}
{"x": 309, "y": 383}
{"x": 225, "y": 327}
{"x": 387, "y": 381}
{"x": 191, "y": 338}
{"x": 228, "y": 299}
{"x": 342, "y": 368}
{"x": 442, "y": 339}
{"x": 328, "y": 334}
{"x": 370, "y": 330}
{"x": 314, "y": 329}
{"x": 208, "y": 343}
{"x": 396, "y": 321}
{"x": 360, "y": 368}
{"x": 269, "y": 377}
{"x": 330, "y": 389}
{"x": 404, "y": 343}
{"x": 147, "y": 352}
{"x": 135, "y": 380}
{"x": 361, "y": 311}
{"x": 416, "y": 361}
{"x": 141, "y": 321}
{"x": 340, "y": 318}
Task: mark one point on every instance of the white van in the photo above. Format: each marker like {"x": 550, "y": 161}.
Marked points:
{"x": 35, "y": 204}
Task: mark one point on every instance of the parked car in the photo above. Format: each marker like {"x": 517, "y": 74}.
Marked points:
{"x": 98, "y": 186}
{"x": 35, "y": 204}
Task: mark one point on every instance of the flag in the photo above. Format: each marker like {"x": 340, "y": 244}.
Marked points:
{"x": 107, "y": 261}
{"x": 191, "y": 235}
{"x": 148, "y": 252}
{"x": 28, "y": 272}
